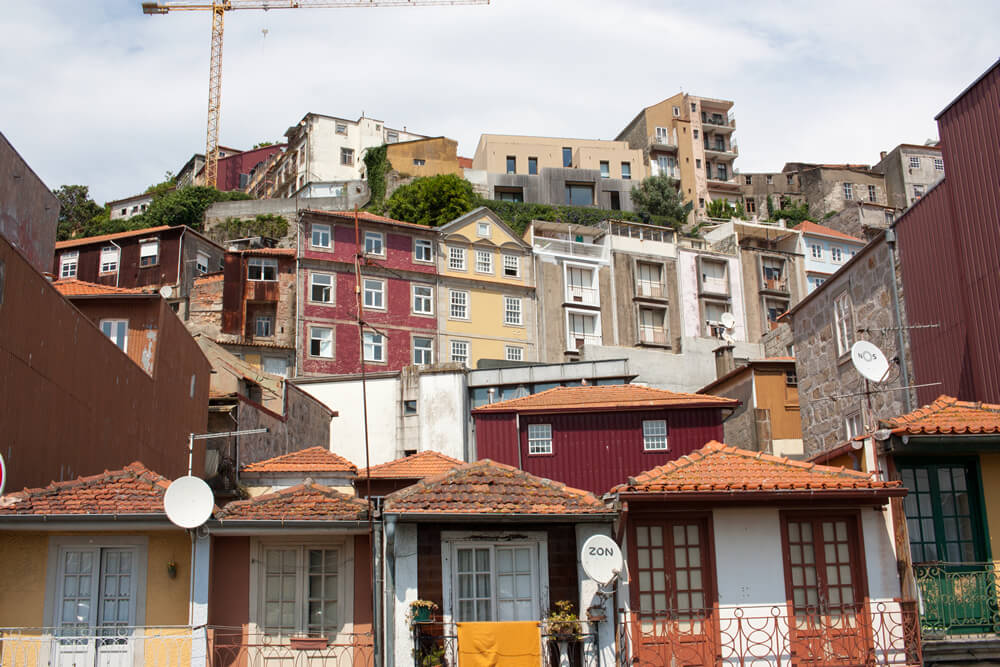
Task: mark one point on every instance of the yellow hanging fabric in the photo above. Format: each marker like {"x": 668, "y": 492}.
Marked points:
{"x": 506, "y": 644}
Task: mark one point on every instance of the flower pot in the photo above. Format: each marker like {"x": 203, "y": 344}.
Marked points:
{"x": 421, "y": 614}
{"x": 308, "y": 643}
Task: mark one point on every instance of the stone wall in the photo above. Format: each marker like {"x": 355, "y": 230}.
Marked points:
{"x": 777, "y": 341}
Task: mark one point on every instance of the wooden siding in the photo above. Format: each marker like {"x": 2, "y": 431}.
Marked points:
{"x": 129, "y": 274}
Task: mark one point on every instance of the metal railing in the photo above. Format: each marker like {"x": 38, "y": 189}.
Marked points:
{"x": 236, "y": 646}
{"x": 572, "y": 248}
{"x": 669, "y": 139}
{"x": 653, "y": 335}
{"x": 876, "y": 635}
{"x": 165, "y": 646}
{"x": 958, "y": 598}
{"x": 436, "y": 644}
{"x": 776, "y": 284}
{"x": 650, "y": 288}
{"x": 579, "y": 294}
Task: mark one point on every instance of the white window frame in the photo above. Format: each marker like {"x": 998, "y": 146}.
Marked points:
{"x": 378, "y": 300}
{"x": 69, "y": 258}
{"x": 848, "y": 189}
{"x": 836, "y": 255}
{"x": 463, "y": 357}
{"x": 589, "y": 294}
{"x": 570, "y": 340}
{"x": 853, "y": 422}
{"x": 429, "y": 350}
{"x": 262, "y": 263}
{"x": 462, "y": 303}
{"x": 374, "y": 237}
{"x": 539, "y": 439}
{"x": 481, "y": 227}
{"x": 842, "y": 319}
{"x": 347, "y": 156}
{"x": 816, "y": 250}
{"x": 329, "y": 287}
{"x": 144, "y": 253}
{"x": 457, "y": 258}
{"x": 425, "y": 300}
{"x": 914, "y": 162}
{"x": 313, "y": 337}
{"x": 513, "y": 352}
{"x": 513, "y": 312}
{"x": 872, "y": 193}
{"x": 938, "y": 164}
{"x": 484, "y": 261}
{"x": 423, "y": 247}
{"x": 201, "y": 261}
{"x": 375, "y": 342}
{"x": 268, "y": 321}
{"x": 123, "y": 346}
{"x": 110, "y": 255}
{"x": 321, "y": 230}
{"x": 655, "y": 435}
{"x": 511, "y": 262}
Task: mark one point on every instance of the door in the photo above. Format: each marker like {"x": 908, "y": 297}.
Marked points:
{"x": 825, "y": 582}
{"x": 672, "y": 593}
{"x": 96, "y": 613}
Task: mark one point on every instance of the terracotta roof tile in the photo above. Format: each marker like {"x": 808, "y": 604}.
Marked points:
{"x": 133, "y": 490}
{"x": 716, "y": 467}
{"x": 308, "y": 501}
{"x": 313, "y": 459}
{"x": 808, "y": 227}
{"x": 489, "y": 488}
{"x": 415, "y": 466}
{"x": 87, "y": 240}
{"x": 948, "y": 415}
{"x": 269, "y": 252}
{"x": 593, "y": 397}
{"x": 210, "y": 277}
{"x": 74, "y": 287}
{"x": 364, "y": 216}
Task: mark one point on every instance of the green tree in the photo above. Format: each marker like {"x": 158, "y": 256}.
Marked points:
{"x": 76, "y": 210}
{"x": 186, "y": 206}
{"x": 720, "y": 208}
{"x": 262, "y": 144}
{"x": 168, "y": 183}
{"x": 377, "y": 165}
{"x": 657, "y": 199}
{"x": 432, "y": 200}
{"x": 792, "y": 213}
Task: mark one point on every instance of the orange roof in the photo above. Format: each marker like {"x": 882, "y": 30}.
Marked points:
{"x": 948, "y": 415}
{"x": 807, "y": 227}
{"x": 605, "y": 397}
{"x": 415, "y": 466}
{"x": 210, "y": 277}
{"x": 87, "y": 240}
{"x": 313, "y": 459}
{"x": 272, "y": 252}
{"x": 74, "y": 287}
{"x": 305, "y": 502}
{"x": 718, "y": 468}
{"x": 132, "y": 490}
{"x": 365, "y": 216}
{"x": 489, "y": 488}
{"x": 465, "y": 162}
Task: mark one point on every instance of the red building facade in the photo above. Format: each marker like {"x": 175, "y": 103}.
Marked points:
{"x": 595, "y": 437}
{"x": 397, "y": 290}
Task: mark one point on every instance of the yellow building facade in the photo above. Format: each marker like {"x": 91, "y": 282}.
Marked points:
{"x": 486, "y": 292}
{"x": 514, "y": 154}
{"x": 424, "y": 157}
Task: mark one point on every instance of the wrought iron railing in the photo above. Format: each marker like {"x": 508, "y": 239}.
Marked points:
{"x": 164, "y": 646}
{"x": 436, "y": 644}
{"x": 233, "y": 646}
{"x": 958, "y": 598}
{"x": 876, "y": 635}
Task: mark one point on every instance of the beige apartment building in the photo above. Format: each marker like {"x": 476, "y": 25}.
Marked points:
{"x": 689, "y": 138}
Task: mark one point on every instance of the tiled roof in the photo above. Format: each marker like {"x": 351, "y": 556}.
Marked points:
{"x": 87, "y": 240}
{"x": 133, "y": 490}
{"x": 716, "y": 467}
{"x": 314, "y": 459}
{"x": 364, "y": 216}
{"x": 308, "y": 501}
{"x": 808, "y": 227}
{"x": 269, "y": 252}
{"x": 488, "y": 488}
{"x": 74, "y": 287}
{"x": 246, "y": 343}
{"x": 415, "y": 466}
{"x": 210, "y": 277}
{"x": 594, "y": 397}
{"x": 948, "y": 415}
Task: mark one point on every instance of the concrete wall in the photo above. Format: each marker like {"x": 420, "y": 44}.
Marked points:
{"x": 900, "y": 177}
{"x": 29, "y": 212}
{"x": 688, "y": 285}
{"x": 549, "y": 186}
{"x": 493, "y": 150}
{"x": 823, "y": 188}
{"x": 305, "y": 423}
{"x": 862, "y": 220}
{"x": 439, "y": 155}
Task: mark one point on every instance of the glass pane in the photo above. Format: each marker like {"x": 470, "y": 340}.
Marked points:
{"x": 656, "y": 536}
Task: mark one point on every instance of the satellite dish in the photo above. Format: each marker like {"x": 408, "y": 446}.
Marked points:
{"x": 601, "y": 559}
{"x": 3, "y": 474}
{"x": 166, "y": 291}
{"x": 728, "y": 320}
{"x": 869, "y": 361}
{"x": 188, "y": 502}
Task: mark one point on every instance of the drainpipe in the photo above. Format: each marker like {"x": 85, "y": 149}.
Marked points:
{"x": 377, "y": 591}
{"x": 118, "y": 264}
{"x": 298, "y": 293}
{"x": 389, "y": 558}
{"x": 890, "y": 240}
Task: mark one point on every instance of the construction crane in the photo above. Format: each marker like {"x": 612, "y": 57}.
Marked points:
{"x": 219, "y": 9}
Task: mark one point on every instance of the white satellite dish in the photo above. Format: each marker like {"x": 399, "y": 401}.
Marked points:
{"x": 601, "y": 559}
{"x": 166, "y": 291}
{"x": 727, "y": 320}
{"x": 188, "y": 502}
{"x": 869, "y": 361}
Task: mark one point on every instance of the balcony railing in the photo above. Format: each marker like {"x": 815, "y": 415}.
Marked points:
{"x": 776, "y": 284}
{"x": 572, "y": 248}
{"x": 587, "y": 296}
{"x": 652, "y": 289}
{"x": 653, "y": 335}
{"x": 169, "y": 646}
{"x": 229, "y": 646}
{"x": 578, "y": 340}
{"x": 668, "y": 140}
{"x": 959, "y": 598}
{"x": 436, "y": 643}
{"x": 876, "y": 635}
{"x": 715, "y": 285}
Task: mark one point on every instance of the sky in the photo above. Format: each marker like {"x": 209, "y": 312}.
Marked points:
{"x": 96, "y": 93}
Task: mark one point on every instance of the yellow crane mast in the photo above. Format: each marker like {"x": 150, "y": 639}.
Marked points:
{"x": 219, "y": 9}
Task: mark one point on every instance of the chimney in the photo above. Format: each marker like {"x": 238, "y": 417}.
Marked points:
{"x": 724, "y": 361}
{"x": 881, "y": 155}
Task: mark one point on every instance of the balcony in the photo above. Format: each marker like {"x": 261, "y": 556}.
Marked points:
{"x": 653, "y": 335}
{"x": 958, "y": 598}
{"x": 578, "y": 340}
{"x": 436, "y": 643}
{"x": 586, "y": 296}
{"x": 112, "y": 645}
{"x": 663, "y": 141}
{"x": 236, "y": 646}
{"x": 779, "y": 285}
{"x": 718, "y": 122}
{"x": 712, "y": 285}
{"x": 650, "y": 289}
{"x": 720, "y": 151}
{"x": 566, "y": 248}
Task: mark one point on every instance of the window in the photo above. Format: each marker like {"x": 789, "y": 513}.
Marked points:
{"x": 748, "y": 179}
{"x": 579, "y": 194}
{"x": 605, "y": 169}
{"x": 391, "y": 137}
{"x": 614, "y": 200}
{"x": 790, "y": 179}
{"x": 374, "y": 243}
{"x": 580, "y": 285}
{"x": 513, "y": 353}
{"x": 666, "y": 164}
{"x": 511, "y": 266}
{"x": 423, "y": 250}
{"x": 321, "y": 236}
{"x": 68, "y": 263}
{"x": 109, "y": 259}
{"x": 694, "y": 135}
{"x": 276, "y": 366}
{"x": 459, "y": 301}
{"x": 374, "y": 291}
{"x": 914, "y": 162}
{"x": 409, "y": 408}
{"x": 374, "y": 346}
{"x": 493, "y": 581}
{"x": 848, "y": 191}
{"x": 697, "y": 163}
{"x": 419, "y": 162}
{"x": 582, "y": 329}
{"x": 816, "y": 250}
{"x": 341, "y": 128}
{"x": 262, "y": 268}
{"x": 694, "y": 107}
{"x": 321, "y": 287}
{"x": 508, "y": 194}
{"x": 918, "y": 191}
{"x": 149, "y": 253}
{"x": 567, "y": 155}
{"x": 649, "y": 279}
{"x": 539, "y": 438}
{"x": 938, "y": 164}
{"x": 770, "y": 179}
{"x": 842, "y": 323}
{"x": 626, "y": 171}
{"x": 347, "y": 157}
{"x": 836, "y": 254}
{"x": 301, "y": 590}
{"x": 663, "y": 136}
{"x": 532, "y": 165}
{"x": 484, "y": 261}
{"x": 423, "y": 350}
{"x": 652, "y": 326}
{"x": 853, "y": 425}
{"x": 512, "y": 311}
{"x": 456, "y": 259}
{"x": 701, "y": 202}
{"x": 511, "y": 164}
{"x": 872, "y": 193}
{"x": 750, "y": 205}
{"x": 201, "y": 262}
{"x": 460, "y": 351}
{"x": 673, "y": 571}
{"x": 943, "y": 512}
{"x": 423, "y": 299}
{"x": 722, "y": 172}
{"x": 483, "y": 230}
{"x": 677, "y": 111}
{"x": 791, "y": 378}
{"x": 117, "y": 331}
{"x": 321, "y": 342}
{"x": 264, "y": 326}
{"x": 654, "y": 435}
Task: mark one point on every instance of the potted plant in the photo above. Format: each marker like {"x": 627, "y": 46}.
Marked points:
{"x": 562, "y": 622}
{"x": 421, "y": 610}
{"x": 434, "y": 657}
